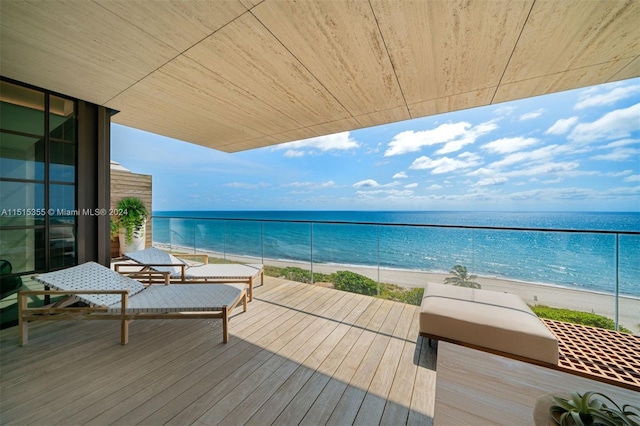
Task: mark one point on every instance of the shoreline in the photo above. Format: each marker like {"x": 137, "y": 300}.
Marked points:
{"x": 532, "y": 293}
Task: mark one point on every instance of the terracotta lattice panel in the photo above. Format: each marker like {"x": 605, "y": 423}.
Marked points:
{"x": 602, "y": 354}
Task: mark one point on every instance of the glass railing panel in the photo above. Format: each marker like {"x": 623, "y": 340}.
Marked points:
{"x": 350, "y": 248}
{"x": 210, "y": 238}
{"x": 161, "y": 227}
{"x": 412, "y": 256}
{"x": 581, "y": 271}
{"x": 182, "y": 235}
{"x": 243, "y": 241}
{"x": 629, "y": 282}
{"x": 288, "y": 245}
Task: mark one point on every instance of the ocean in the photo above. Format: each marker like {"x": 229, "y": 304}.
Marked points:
{"x": 569, "y": 259}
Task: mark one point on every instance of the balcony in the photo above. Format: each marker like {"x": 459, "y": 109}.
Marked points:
{"x": 300, "y": 355}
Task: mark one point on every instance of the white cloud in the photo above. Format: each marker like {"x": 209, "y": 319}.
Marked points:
{"x": 468, "y": 138}
{"x": 546, "y": 153}
{"x": 508, "y": 145}
{"x": 435, "y": 186}
{"x": 544, "y": 169}
{"x": 411, "y": 185}
{"x": 292, "y": 153}
{"x": 446, "y": 164}
{"x": 531, "y": 115}
{"x": 492, "y": 181}
{"x": 390, "y": 192}
{"x": 619, "y": 174}
{"x": 400, "y": 175}
{"x": 454, "y": 135}
{"x": 311, "y": 185}
{"x": 367, "y": 183}
{"x": 561, "y": 126}
{"x": 619, "y": 154}
{"x": 615, "y": 124}
{"x": 632, "y": 178}
{"x": 505, "y": 110}
{"x": 336, "y": 142}
{"x": 589, "y": 99}
{"x": 622, "y": 142}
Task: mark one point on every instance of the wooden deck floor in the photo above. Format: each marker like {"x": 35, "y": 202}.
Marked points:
{"x": 301, "y": 354}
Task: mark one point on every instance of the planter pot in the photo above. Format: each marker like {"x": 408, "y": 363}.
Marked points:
{"x": 541, "y": 414}
{"x": 137, "y": 241}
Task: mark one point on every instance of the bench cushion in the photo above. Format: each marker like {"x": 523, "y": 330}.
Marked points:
{"x": 496, "y": 321}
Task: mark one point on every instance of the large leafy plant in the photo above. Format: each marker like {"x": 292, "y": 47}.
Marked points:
{"x": 132, "y": 215}
{"x": 589, "y": 409}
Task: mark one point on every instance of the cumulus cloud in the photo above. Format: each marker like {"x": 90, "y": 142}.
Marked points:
{"x": 400, "y": 175}
{"x": 411, "y": 185}
{"x": 615, "y": 124}
{"x": 561, "y": 126}
{"x": 446, "y": 164}
{"x": 589, "y": 99}
{"x": 509, "y": 145}
{"x": 468, "y": 138}
{"x": 367, "y": 183}
{"x": 453, "y": 135}
{"x": 632, "y": 178}
{"x": 531, "y": 115}
{"x": 336, "y": 142}
{"x": 435, "y": 186}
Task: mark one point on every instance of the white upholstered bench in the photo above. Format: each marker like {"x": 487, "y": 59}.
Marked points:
{"x": 495, "y": 322}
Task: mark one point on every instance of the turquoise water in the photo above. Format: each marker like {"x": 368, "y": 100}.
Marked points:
{"x": 576, "y": 260}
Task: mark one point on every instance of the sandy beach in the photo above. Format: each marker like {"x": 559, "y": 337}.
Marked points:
{"x": 531, "y": 293}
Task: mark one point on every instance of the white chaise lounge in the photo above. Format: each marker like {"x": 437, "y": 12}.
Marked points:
{"x": 181, "y": 272}
{"x": 112, "y": 296}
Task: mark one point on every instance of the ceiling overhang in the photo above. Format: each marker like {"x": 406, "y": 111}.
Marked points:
{"x": 236, "y": 75}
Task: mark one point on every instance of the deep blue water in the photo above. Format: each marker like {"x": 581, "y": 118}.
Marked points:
{"x": 580, "y": 260}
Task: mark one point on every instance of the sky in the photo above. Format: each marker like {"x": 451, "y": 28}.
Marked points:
{"x": 577, "y": 150}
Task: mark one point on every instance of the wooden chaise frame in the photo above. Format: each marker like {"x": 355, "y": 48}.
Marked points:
{"x": 61, "y": 310}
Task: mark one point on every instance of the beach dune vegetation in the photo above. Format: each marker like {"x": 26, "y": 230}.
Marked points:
{"x": 461, "y": 278}
{"x": 355, "y": 283}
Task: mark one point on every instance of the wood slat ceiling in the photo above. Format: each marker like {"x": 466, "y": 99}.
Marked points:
{"x": 235, "y": 75}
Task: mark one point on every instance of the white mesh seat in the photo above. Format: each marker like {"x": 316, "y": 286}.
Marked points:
{"x": 181, "y": 271}
{"x": 110, "y": 295}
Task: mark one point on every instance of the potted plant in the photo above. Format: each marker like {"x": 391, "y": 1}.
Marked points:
{"x": 591, "y": 408}
{"x": 131, "y": 221}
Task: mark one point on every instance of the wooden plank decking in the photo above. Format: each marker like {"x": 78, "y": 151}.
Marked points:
{"x": 301, "y": 354}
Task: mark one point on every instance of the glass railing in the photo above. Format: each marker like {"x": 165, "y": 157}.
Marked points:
{"x": 581, "y": 270}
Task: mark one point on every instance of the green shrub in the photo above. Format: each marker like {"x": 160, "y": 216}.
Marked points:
{"x": 293, "y": 273}
{"x": 576, "y": 317}
{"x": 412, "y": 296}
{"x": 354, "y": 283}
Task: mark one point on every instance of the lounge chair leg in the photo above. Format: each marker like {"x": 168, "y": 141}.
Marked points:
{"x": 225, "y": 325}
{"x": 244, "y": 302}
{"x": 124, "y": 324}
{"x": 250, "y": 289}
{"x": 23, "y": 326}
{"x": 124, "y": 332}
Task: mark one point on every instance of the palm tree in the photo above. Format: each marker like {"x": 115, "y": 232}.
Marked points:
{"x": 461, "y": 279}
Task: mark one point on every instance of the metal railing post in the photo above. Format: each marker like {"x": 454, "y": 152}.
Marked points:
{"x": 311, "y": 248}
{"x": 617, "y": 299}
